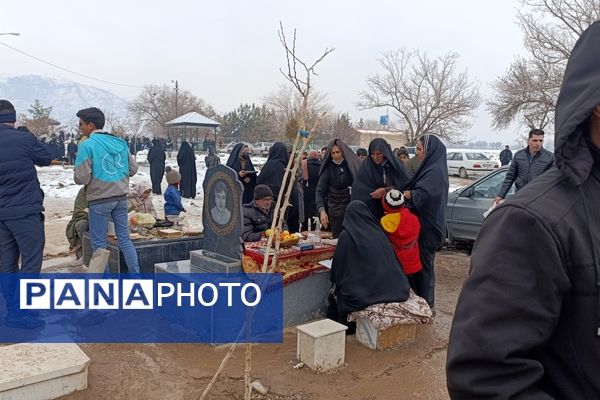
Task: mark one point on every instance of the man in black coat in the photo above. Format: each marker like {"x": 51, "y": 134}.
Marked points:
{"x": 527, "y": 321}
{"x": 156, "y": 158}
{"x": 528, "y": 164}
{"x": 258, "y": 215}
{"x": 21, "y": 207}
{"x": 505, "y": 156}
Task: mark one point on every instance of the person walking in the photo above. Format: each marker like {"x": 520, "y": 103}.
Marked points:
{"x": 506, "y": 156}
{"x": 104, "y": 166}
{"x": 528, "y": 164}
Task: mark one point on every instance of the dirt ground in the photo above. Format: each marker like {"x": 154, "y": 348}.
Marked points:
{"x": 171, "y": 371}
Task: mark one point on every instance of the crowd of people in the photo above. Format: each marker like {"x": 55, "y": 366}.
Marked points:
{"x": 527, "y": 320}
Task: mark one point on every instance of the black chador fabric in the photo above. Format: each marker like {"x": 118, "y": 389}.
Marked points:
{"x": 272, "y": 175}
{"x": 239, "y": 162}
{"x": 156, "y": 158}
{"x": 272, "y": 172}
{"x": 335, "y": 179}
{"x": 429, "y": 193}
{"x": 365, "y": 269}
{"x": 350, "y": 157}
{"x": 371, "y": 176}
{"x": 186, "y": 159}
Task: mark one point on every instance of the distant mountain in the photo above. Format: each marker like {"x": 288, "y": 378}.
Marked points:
{"x": 65, "y": 96}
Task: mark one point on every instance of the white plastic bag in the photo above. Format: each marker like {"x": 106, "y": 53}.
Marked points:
{"x": 494, "y": 205}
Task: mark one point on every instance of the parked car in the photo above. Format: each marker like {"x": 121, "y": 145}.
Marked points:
{"x": 230, "y": 146}
{"x": 466, "y": 205}
{"x": 469, "y": 163}
{"x": 262, "y": 148}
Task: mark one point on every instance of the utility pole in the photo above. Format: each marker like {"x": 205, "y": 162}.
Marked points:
{"x": 176, "y": 82}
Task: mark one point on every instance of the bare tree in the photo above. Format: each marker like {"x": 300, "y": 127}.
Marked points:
{"x": 127, "y": 125}
{"x": 529, "y": 89}
{"x": 301, "y": 81}
{"x": 428, "y": 94}
{"x": 156, "y": 105}
{"x": 286, "y": 102}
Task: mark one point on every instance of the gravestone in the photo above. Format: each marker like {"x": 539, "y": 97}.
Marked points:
{"x": 222, "y": 212}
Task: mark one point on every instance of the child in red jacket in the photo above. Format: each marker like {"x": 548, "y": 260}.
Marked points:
{"x": 402, "y": 228}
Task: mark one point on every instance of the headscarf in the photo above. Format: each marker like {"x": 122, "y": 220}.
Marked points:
{"x": 370, "y": 176}
{"x": 365, "y": 268}
{"x": 234, "y": 159}
{"x": 211, "y": 151}
{"x": 351, "y": 158}
{"x": 140, "y": 188}
{"x": 272, "y": 172}
{"x": 429, "y": 192}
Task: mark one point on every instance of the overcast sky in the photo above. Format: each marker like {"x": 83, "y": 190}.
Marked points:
{"x": 228, "y": 53}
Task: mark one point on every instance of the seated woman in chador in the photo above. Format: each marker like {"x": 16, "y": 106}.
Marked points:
{"x": 365, "y": 269}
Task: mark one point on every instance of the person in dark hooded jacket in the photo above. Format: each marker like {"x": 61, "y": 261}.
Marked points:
{"x": 427, "y": 198}
{"x": 156, "y": 158}
{"x": 377, "y": 175}
{"x": 186, "y": 160}
{"x": 527, "y": 321}
{"x": 239, "y": 160}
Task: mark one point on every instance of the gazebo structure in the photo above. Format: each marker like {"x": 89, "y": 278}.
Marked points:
{"x": 190, "y": 123}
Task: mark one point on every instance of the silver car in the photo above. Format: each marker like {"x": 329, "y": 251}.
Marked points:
{"x": 466, "y": 205}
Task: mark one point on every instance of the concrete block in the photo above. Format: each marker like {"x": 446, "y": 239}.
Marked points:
{"x": 321, "y": 345}
{"x": 41, "y": 371}
{"x": 207, "y": 261}
{"x": 386, "y": 339}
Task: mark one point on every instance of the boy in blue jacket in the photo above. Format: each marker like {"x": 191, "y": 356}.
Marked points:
{"x": 172, "y": 195}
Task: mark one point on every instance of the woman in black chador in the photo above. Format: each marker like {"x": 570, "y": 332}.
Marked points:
{"x": 377, "y": 175}
{"x": 156, "y": 158}
{"x": 310, "y": 179}
{"x": 365, "y": 269}
{"x": 239, "y": 160}
{"x": 427, "y": 197}
{"x": 338, "y": 170}
{"x": 272, "y": 176}
{"x": 186, "y": 160}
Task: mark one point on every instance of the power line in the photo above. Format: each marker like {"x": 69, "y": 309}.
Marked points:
{"x": 68, "y": 70}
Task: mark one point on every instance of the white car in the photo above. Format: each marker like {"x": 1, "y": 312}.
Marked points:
{"x": 261, "y": 148}
{"x": 469, "y": 163}
{"x": 230, "y": 146}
